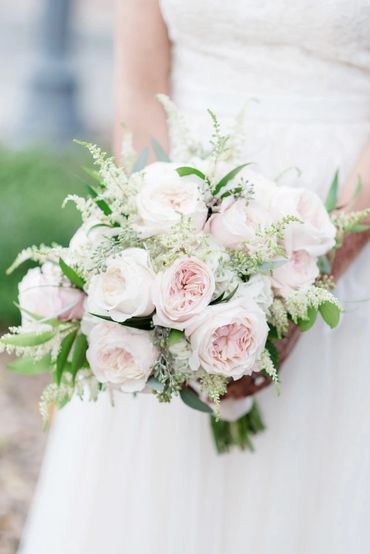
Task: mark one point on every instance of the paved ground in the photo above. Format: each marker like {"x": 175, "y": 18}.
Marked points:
{"x": 21, "y": 446}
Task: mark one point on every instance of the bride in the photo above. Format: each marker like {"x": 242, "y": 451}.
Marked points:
{"x": 143, "y": 478}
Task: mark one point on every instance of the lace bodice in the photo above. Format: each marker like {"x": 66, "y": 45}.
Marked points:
{"x": 310, "y": 48}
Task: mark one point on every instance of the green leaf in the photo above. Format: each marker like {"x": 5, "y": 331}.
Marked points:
{"x": 359, "y": 228}
{"x": 79, "y": 354}
{"x": 306, "y": 324}
{"x": 228, "y": 177}
{"x": 161, "y": 155}
{"x": 141, "y": 161}
{"x": 185, "y": 171}
{"x": 191, "y": 399}
{"x": 28, "y": 366}
{"x": 70, "y": 273}
{"x": 330, "y": 313}
{"x": 174, "y": 337}
{"x": 28, "y": 339}
{"x": 331, "y": 199}
{"x": 93, "y": 173}
{"x": 324, "y": 265}
{"x": 223, "y": 298}
{"x": 274, "y": 354}
{"x": 64, "y": 351}
{"x": 145, "y": 323}
{"x": 154, "y": 384}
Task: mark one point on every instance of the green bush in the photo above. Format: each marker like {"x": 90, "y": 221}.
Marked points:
{"x": 33, "y": 186}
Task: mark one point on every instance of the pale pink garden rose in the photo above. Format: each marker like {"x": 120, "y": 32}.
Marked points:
{"x": 236, "y": 222}
{"x": 44, "y": 292}
{"x": 316, "y": 234}
{"x": 299, "y": 272}
{"x": 181, "y": 292}
{"x": 228, "y": 338}
{"x": 165, "y": 197}
{"x": 121, "y": 356}
{"x": 123, "y": 290}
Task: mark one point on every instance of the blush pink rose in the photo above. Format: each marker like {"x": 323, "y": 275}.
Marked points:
{"x": 228, "y": 338}
{"x": 299, "y": 272}
{"x": 43, "y": 292}
{"x": 236, "y": 222}
{"x": 316, "y": 234}
{"x": 121, "y": 356}
{"x": 181, "y": 292}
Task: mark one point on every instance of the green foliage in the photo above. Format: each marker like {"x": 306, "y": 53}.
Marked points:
{"x": 28, "y": 366}
{"x": 33, "y": 186}
{"x": 191, "y": 399}
{"x": 331, "y": 199}
{"x": 70, "y": 273}
{"x": 185, "y": 171}
{"x": 225, "y": 180}
{"x": 330, "y": 313}
{"x": 27, "y": 339}
{"x": 63, "y": 354}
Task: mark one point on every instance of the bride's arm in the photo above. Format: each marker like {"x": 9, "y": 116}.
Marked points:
{"x": 142, "y": 66}
{"x": 354, "y": 242}
{"x": 352, "y": 246}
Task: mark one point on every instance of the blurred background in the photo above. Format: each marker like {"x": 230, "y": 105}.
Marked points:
{"x": 55, "y": 85}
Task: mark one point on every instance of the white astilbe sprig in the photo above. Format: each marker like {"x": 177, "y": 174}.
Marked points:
{"x": 266, "y": 364}
{"x": 40, "y": 254}
{"x": 128, "y": 152}
{"x": 260, "y": 253}
{"x": 112, "y": 176}
{"x": 278, "y": 317}
{"x": 183, "y": 145}
{"x": 86, "y": 206}
{"x": 346, "y": 222}
{"x": 84, "y": 385}
{"x": 298, "y": 303}
{"x": 180, "y": 241}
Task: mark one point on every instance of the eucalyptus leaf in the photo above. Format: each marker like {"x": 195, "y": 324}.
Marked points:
{"x": 70, "y": 273}
{"x": 63, "y": 354}
{"x": 185, "y": 171}
{"x": 160, "y": 153}
{"x": 307, "y": 323}
{"x": 28, "y": 366}
{"x": 274, "y": 353}
{"x": 141, "y": 161}
{"x": 28, "y": 339}
{"x": 270, "y": 265}
{"x": 330, "y": 313}
{"x": 154, "y": 384}
{"x": 331, "y": 199}
{"x": 324, "y": 265}
{"x": 79, "y": 354}
{"x": 191, "y": 399}
{"x": 228, "y": 177}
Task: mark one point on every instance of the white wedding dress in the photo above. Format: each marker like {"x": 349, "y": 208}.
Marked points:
{"x": 144, "y": 478}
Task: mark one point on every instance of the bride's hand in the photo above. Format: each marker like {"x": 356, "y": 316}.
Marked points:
{"x": 250, "y": 384}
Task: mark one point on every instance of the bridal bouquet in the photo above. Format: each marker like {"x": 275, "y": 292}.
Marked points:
{"x": 182, "y": 279}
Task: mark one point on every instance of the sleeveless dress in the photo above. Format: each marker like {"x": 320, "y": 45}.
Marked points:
{"x": 144, "y": 478}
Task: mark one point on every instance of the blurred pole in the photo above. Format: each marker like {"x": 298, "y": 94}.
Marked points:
{"x": 51, "y": 116}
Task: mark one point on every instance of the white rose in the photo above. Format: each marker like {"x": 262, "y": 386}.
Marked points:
{"x": 165, "y": 197}
{"x": 228, "y": 338}
{"x": 43, "y": 291}
{"x": 258, "y": 288}
{"x": 121, "y": 356}
{"x": 91, "y": 233}
{"x": 299, "y": 272}
{"x": 124, "y": 289}
{"x": 236, "y": 222}
{"x": 316, "y": 234}
{"x": 181, "y": 292}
